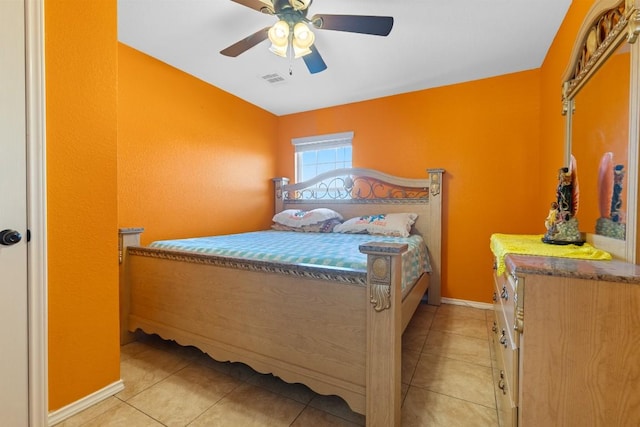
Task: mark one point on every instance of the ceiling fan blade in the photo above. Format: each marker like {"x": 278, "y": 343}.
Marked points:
{"x": 246, "y": 43}
{"x": 264, "y": 6}
{"x": 314, "y": 61}
{"x": 376, "y": 25}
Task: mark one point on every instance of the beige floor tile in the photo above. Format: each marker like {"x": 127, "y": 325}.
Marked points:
{"x": 146, "y": 368}
{"x": 413, "y": 339}
{"x": 132, "y": 349}
{"x": 183, "y": 396}
{"x": 81, "y": 418}
{"x": 122, "y": 415}
{"x": 409, "y": 363}
{"x": 249, "y": 406}
{"x": 462, "y": 311}
{"x": 469, "y": 326}
{"x": 423, "y": 316}
{"x": 426, "y": 408}
{"x": 459, "y": 347}
{"x": 455, "y": 378}
{"x": 404, "y": 389}
{"x": 422, "y": 307}
{"x": 338, "y": 407}
{"x": 298, "y": 392}
{"x": 315, "y": 417}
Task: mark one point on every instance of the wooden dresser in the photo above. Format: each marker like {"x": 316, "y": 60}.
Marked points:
{"x": 567, "y": 342}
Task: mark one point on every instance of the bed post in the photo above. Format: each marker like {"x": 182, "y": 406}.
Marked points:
{"x": 434, "y": 238}
{"x": 278, "y": 196}
{"x": 126, "y": 237}
{"x": 384, "y": 332}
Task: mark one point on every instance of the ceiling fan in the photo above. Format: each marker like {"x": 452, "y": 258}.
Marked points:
{"x": 291, "y": 36}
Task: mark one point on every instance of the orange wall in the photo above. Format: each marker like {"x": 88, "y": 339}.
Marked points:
{"x": 484, "y": 133}
{"x": 81, "y": 93}
{"x": 193, "y": 160}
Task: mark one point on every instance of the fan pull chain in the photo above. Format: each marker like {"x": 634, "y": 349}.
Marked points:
{"x": 291, "y": 59}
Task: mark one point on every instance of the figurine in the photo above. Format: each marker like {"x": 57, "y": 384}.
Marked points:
{"x": 561, "y": 222}
{"x": 612, "y": 220}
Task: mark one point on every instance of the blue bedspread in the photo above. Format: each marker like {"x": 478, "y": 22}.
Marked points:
{"x": 323, "y": 249}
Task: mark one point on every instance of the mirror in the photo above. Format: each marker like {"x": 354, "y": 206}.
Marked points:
{"x": 600, "y": 122}
{"x": 599, "y": 139}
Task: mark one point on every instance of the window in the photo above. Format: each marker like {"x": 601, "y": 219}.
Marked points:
{"x": 323, "y": 153}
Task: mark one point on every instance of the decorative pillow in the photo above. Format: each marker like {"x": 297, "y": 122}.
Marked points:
{"x": 393, "y": 224}
{"x": 321, "y": 227}
{"x": 298, "y": 218}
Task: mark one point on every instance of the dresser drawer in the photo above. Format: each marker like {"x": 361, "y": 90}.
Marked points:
{"x": 504, "y": 376}
{"x": 507, "y": 357}
{"x": 505, "y": 337}
{"x": 505, "y": 291}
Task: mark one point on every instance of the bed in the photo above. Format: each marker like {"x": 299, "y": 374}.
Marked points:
{"x": 335, "y": 328}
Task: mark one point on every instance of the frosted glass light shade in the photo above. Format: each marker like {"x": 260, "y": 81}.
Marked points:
{"x": 303, "y": 37}
{"x": 279, "y": 37}
{"x": 300, "y": 52}
{"x": 279, "y": 50}
{"x": 279, "y": 33}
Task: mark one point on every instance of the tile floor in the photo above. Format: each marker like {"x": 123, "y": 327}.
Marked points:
{"x": 446, "y": 375}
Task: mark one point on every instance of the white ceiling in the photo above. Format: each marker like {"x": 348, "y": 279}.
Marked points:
{"x": 433, "y": 43}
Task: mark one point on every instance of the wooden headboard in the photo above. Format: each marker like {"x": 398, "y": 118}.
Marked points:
{"x": 357, "y": 191}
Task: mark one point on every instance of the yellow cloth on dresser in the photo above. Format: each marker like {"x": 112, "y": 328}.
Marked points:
{"x": 531, "y": 244}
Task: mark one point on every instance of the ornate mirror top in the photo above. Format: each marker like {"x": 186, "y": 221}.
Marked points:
{"x": 604, "y": 30}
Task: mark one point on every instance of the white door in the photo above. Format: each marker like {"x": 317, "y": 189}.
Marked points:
{"x": 14, "y": 352}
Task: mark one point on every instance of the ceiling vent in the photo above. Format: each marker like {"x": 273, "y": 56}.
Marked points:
{"x": 273, "y": 79}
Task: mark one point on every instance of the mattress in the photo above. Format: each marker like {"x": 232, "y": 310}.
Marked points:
{"x": 337, "y": 250}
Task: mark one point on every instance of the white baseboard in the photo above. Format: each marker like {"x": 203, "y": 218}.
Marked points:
{"x": 62, "y": 414}
{"x": 473, "y": 304}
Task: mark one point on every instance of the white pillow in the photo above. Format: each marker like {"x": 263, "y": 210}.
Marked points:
{"x": 393, "y": 224}
{"x": 299, "y": 218}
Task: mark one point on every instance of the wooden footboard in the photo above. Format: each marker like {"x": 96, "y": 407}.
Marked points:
{"x": 329, "y": 332}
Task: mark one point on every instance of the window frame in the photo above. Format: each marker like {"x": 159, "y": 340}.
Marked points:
{"x": 317, "y": 143}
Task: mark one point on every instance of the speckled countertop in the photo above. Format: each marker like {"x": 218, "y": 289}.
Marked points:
{"x": 609, "y": 271}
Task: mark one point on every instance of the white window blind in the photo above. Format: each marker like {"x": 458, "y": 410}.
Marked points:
{"x": 322, "y": 153}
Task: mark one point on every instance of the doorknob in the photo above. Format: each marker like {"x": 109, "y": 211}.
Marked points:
{"x": 9, "y": 237}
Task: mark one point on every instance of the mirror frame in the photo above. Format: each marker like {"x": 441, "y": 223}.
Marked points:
{"x": 599, "y": 36}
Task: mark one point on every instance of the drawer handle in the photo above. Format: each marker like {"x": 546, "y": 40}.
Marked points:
{"x": 495, "y": 296}
{"x": 503, "y": 339}
{"x": 502, "y": 386}
{"x": 504, "y": 294}
{"x": 495, "y": 327}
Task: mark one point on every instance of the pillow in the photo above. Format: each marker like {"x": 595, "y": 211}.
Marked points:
{"x": 298, "y": 218}
{"x": 393, "y": 224}
{"x": 321, "y": 227}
